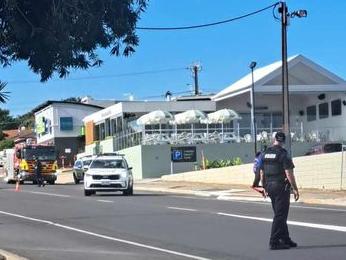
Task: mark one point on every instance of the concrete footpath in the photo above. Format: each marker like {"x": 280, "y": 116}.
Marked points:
{"x": 4, "y": 255}
{"x": 224, "y": 192}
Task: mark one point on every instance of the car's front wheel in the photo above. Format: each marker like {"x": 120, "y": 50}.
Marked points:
{"x": 128, "y": 191}
{"x": 76, "y": 180}
{"x": 88, "y": 192}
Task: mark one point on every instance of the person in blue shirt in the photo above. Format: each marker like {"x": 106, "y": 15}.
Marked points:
{"x": 256, "y": 169}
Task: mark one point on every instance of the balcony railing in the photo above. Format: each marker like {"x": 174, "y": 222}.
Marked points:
{"x": 187, "y": 136}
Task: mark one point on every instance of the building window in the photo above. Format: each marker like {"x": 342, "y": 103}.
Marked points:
{"x": 102, "y": 131}
{"x": 336, "y": 107}
{"x": 311, "y": 113}
{"x": 323, "y": 110}
{"x": 66, "y": 123}
{"x": 108, "y": 127}
{"x": 113, "y": 126}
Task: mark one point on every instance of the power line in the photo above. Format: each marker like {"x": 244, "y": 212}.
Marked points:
{"x": 104, "y": 76}
{"x": 208, "y": 24}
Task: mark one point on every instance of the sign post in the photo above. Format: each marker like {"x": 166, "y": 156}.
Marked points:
{"x": 182, "y": 154}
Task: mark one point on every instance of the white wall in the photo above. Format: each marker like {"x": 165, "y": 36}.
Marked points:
{"x": 55, "y": 111}
{"x": 238, "y": 103}
{"x": 335, "y": 125}
{"x": 47, "y": 112}
{"x": 324, "y": 171}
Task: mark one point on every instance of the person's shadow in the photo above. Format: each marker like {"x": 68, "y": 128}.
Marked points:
{"x": 320, "y": 246}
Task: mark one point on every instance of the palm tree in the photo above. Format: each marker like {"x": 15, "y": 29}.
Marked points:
{"x": 4, "y": 95}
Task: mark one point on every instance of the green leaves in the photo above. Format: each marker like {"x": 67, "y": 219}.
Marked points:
{"x": 60, "y": 35}
{"x": 222, "y": 163}
{"x": 6, "y": 144}
{"x": 4, "y": 95}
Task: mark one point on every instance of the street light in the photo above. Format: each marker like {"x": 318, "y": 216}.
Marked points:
{"x": 252, "y": 97}
{"x": 285, "y": 15}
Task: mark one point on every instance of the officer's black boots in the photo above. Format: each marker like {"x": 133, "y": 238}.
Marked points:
{"x": 291, "y": 243}
{"x": 278, "y": 246}
{"x": 283, "y": 245}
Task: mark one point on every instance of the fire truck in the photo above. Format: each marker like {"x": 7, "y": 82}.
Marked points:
{"x": 20, "y": 162}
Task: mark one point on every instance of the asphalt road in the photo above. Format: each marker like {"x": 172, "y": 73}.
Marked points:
{"x": 58, "y": 222}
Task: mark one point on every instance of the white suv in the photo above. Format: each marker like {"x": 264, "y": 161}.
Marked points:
{"x": 108, "y": 173}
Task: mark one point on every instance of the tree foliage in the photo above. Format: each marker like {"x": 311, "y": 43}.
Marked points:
{"x": 27, "y": 120}
{"x": 6, "y": 144}
{"x": 8, "y": 122}
{"x": 3, "y": 94}
{"x": 59, "y": 35}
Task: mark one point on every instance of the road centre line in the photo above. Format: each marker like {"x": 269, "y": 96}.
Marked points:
{"x": 289, "y": 222}
{"x": 48, "y": 194}
{"x": 106, "y": 201}
{"x": 128, "y": 242}
{"x": 183, "y": 209}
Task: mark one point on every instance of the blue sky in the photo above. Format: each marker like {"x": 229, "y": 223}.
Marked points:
{"x": 224, "y": 51}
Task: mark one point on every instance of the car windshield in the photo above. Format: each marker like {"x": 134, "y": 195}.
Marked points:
{"x": 107, "y": 164}
{"x": 86, "y": 162}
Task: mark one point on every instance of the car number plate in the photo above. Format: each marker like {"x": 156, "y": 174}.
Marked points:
{"x": 105, "y": 183}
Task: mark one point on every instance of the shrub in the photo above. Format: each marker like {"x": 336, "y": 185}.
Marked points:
{"x": 221, "y": 163}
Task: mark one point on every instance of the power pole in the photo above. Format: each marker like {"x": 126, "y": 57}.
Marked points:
{"x": 285, "y": 91}
{"x": 285, "y": 15}
{"x": 195, "y": 69}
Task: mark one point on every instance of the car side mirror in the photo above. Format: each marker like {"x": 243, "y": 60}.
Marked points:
{"x": 130, "y": 168}
{"x": 85, "y": 168}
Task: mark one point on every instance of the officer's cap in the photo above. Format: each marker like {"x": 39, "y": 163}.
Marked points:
{"x": 280, "y": 137}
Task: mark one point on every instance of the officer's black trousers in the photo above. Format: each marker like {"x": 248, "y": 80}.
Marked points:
{"x": 279, "y": 194}
{"x": 39, "y": 179}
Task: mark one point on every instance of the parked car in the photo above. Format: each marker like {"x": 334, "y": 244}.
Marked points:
{"x": 108, "y": 173}
{"x": 79, "y": 168}
{"x": 325, "y": 148}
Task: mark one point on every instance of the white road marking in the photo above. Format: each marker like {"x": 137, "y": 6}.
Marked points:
{"x": 106, "y": 201}
{"x": 49, "y": 194}
{"x": 183, "y": 209}
{"x": 318, "y": 208}
{"x": 293, "y": 223}
{"x": 262, "y": 202}
{"x": 128, "y": 242}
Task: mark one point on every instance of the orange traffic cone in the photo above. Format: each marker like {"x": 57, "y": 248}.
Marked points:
{"x": 17, "y": 185}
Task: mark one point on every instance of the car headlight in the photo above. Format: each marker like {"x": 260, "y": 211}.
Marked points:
{"x": 87, "y": 175}
{"x": 124, "y": 174}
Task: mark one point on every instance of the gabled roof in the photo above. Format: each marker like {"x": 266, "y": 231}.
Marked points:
{"x": 304, "y": 76}
{"x": 50, "y": 102}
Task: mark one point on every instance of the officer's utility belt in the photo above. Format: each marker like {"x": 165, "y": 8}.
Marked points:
{"x": 282, "y": 180}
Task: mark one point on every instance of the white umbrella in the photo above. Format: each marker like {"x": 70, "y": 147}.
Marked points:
{"x": 189, "y": 117}
{"x": 156, "y": 117}
{"x": 222, "y": 116}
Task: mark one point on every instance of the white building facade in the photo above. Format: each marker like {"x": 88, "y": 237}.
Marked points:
{"x": 60, "y": 123}
{"x": 317, "y": 100}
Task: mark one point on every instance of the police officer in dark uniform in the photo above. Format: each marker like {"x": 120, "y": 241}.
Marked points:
{"x": 278, "y": 178}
